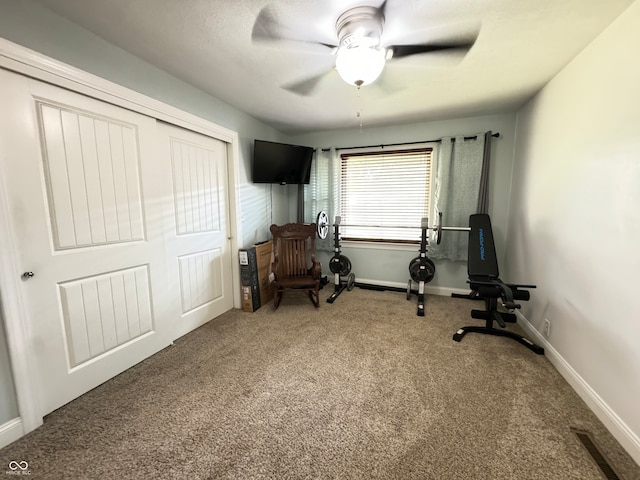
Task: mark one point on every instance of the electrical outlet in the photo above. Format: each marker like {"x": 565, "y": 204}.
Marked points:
{"x": 546, "y": 328}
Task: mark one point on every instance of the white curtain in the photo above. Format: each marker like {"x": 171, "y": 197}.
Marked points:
{"x": 457, "y": 187}
{"x": 323, "y": 192}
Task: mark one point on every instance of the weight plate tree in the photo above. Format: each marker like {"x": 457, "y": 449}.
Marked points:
{"x": 340, "y": 265}
{"x": 421, "y": 269}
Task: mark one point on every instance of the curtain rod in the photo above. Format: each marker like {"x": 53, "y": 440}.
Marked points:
{"x": 439, "y": 140}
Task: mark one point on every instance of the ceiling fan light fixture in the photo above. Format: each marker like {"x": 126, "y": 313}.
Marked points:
{"x": 360, "y": 65}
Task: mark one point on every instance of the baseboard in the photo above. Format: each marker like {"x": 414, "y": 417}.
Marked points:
{"x": 428, "y": 289}
{"x": 10, "y": 432}
{"x": 627, "y": 438}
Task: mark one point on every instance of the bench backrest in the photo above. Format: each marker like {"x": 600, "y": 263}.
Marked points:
{"x": 482, "y": 261}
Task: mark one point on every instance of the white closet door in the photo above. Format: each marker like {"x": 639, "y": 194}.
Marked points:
{"x": 198, "y": 245}
{"x": 85, "y": 188}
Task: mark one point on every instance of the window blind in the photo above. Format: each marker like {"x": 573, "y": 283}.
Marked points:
{"x": 384, "y": 195}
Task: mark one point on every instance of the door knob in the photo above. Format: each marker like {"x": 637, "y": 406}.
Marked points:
{"x": 27, "y": 275}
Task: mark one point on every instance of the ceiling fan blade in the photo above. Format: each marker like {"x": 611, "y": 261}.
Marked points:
{"x": 400, "y": 51}
{"x": 266, "y": 26}
{"x": 382, "y": 9}
{"x": 460, "y": 44}
{"x": 267, "y": 29}
{"x": 307, "y": 86}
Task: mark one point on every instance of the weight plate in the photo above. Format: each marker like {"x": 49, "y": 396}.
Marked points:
{"x": 351, "y": 281}
{"x": 414, "y": 266}
{"x": 334, "y": 264}
{"x": 345, "y": 265}
{"x": 425, "y": 273}
{"x": 431, "y": 269}
{"x": 420, "y": 273}
{"x": 322, "y": 224}
{"x": 340, "y": 264}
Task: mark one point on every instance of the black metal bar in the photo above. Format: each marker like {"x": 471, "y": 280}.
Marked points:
{"x": 439, "y": 140}
{"x": 300, "y": 213}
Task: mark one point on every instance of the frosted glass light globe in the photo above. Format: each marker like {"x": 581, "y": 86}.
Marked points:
{"x": 360, "y": 65}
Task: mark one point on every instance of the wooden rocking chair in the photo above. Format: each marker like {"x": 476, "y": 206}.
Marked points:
{"x": 294, "y": 261}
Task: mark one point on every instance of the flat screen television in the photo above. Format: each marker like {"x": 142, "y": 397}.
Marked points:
{"x": 281, "y": 163}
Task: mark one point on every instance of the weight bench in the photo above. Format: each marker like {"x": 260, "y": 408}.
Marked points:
{"x": 483, "y": 273}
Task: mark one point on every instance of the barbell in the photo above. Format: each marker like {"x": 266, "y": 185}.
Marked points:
{"x": 322, "y": 226}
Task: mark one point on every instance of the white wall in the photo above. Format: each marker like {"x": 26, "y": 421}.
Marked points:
{"x": 389, "y": 266}
{"x": 574, "y": 221}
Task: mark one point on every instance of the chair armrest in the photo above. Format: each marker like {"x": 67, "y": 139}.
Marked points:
{"x": 316, "y": 269}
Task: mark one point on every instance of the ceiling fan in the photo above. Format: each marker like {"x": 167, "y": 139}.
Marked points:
{"x": 360, "y": 52}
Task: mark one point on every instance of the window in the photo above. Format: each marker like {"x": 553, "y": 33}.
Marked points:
{"x": 385, "y": 194}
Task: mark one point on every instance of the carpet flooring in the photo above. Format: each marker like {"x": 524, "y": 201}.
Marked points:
{"x": 358, "y": 389}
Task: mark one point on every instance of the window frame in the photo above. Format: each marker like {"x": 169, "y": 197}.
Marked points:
{"x": 385, "y": 150}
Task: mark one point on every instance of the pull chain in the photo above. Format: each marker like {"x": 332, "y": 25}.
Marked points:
{"x": 359, "y": 111}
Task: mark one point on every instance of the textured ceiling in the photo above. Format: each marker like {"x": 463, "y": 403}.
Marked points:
{"x": 522, "y": 44}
